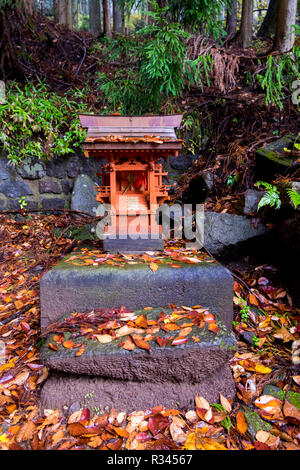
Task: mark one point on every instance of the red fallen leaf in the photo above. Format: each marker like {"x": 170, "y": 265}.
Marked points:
{"x": 209, "y": 318}
{"x": 261, "y": 446}
{"x": 263, "y": 281}
{"x": 179, "y": 341}
{"x": 6, "y": 378}
{"x": 25, "y": 326}
{"x": 52, "y": 346}
{"x": 143, "y": 436}
{"x": 85, "y": 415}
{"x": 162, "y": 341}
{"x": 33, "y": 366}
{"x": 164, "y": 443}
{"x": 140, "y": 343}
{"x": 175, "y": 266}
{"x": 158, "y": 423}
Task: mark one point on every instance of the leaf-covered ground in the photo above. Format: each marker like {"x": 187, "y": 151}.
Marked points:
{"x": 264, "y": 415}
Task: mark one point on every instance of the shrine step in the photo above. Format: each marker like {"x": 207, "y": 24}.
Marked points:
{"x": 72, "y": 286}
{"x": 198, "y": 355}
{"x": 100, "y": 394}
{"x": 129, "y": 245}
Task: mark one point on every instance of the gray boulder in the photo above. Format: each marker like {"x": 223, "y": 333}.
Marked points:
{"x": 251, "y": 200}
{"x": 84, "y": 195}
{"x": 222, "y": 231}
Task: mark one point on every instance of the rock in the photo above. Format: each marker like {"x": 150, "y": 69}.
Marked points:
{"x": 190, "y": 362}
{"x": 293, "y": 398}
{"x": 71, "y": 288}
{"x": 32, "y": 169}
{"x": 15, "y": 188}
{"x": 56, "y": 168}
{"x": 251, "y": 200}
{"x": 61, "y": 390}
{"x": 3, "y": 203}
{"x": 255, "y": 423}
{"x": 295, "y": 185}
{"x": 67, "y": 186}
{"x": 53, "y": 203}
{"x": 182, "y": 162}
{"x": 226, "y": 230}
{"x": 84, "y": 195}
{"x": 209, "y": 180}
{"x": 247, "y": 336}
{"x": 14, "y": 204}
{"x": 74, "y": 166}
{"x": 49, "y": 187}
{"x": 274, "y": 391}
{"x": 275, "y": 152}
{"x": 5, "y": 170}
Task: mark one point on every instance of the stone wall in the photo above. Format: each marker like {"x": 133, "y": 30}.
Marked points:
{"x": 44, "y": 185}
{"x": 49, "y": 185}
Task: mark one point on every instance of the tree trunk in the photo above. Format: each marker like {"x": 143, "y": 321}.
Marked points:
{"x": 55, "y": 10}
{"x": 118, "y": 16}
{"x": 268, "y": 26}
{"x": 62, "y": 11}
{"x": 70, "y": 18}
{"x": 245, "y": 33}
{"x": 284, "y": 38}
{"x": 231, "y": 19}
{"x": 106, "y": 18}
{"x": 94, "y": 13}
{"x": 27, "y": 6}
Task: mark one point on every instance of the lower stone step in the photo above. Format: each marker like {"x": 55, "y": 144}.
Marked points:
{"x": 75, "y": 286}
{"x": 100, "y": 394}
{"x": 180, "y": 345}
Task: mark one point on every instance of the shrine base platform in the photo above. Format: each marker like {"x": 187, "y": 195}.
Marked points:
{"x": 68, "y": 288}
{"x": 63, "y": 390}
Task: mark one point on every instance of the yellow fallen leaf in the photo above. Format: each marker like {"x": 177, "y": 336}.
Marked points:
{"x": 153, "y": 267}
{"x": 103, "y": 339}
{"x": 195, "y": 441}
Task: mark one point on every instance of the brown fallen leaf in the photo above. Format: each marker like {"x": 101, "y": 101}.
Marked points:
{"x": 26, "y": 432}
{"x": 291, "y": 412}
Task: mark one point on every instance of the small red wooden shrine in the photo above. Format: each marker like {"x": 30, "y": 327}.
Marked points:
{"x": 132, "y": 179}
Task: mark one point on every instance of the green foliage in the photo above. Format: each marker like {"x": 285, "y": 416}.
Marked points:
{"x": 244, "y": 310}
{"x": 204, "y": 15}
{"x": 160, "y": 69}
{"x": 281, "y": 72}
{"x": 37, "y": 123}
{"x": 231, "y": 179}
{"x": 294, "y": 197}
{"x": 271, "y": 196}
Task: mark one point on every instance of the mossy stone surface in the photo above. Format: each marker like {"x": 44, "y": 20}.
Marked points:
{"x": 275, "y": 151}
{"x": 255, "y": 423}
{"x": 80, "y": 287}
{"x": 191, "y": 361}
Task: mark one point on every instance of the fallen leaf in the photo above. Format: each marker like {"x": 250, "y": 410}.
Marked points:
{"x": 104, "y": 339}
{"x": 241, "y": 422}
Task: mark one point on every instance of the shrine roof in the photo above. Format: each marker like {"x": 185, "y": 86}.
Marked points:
{"x": 117, "y": 132}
